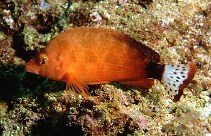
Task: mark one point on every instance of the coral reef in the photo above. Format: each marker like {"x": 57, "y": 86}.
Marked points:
{"x": 31, "y": 105}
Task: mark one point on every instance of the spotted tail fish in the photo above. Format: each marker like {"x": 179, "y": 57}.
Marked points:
{"x": 87, "y": 56}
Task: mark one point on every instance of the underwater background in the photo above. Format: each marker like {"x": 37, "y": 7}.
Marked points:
{"x": 179, "y": 30}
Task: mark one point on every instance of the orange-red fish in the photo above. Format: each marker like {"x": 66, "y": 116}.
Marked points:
{"x": 86, "y": 56}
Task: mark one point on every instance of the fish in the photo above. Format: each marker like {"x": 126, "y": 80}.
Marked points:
{"x": 85, "y": 56}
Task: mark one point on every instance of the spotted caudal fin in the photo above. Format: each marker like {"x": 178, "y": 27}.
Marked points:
{"x": 176, "y": 77}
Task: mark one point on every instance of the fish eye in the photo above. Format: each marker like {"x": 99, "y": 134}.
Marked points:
{"x": 43, "y": 59}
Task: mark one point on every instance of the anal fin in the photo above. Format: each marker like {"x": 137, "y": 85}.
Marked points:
{"x": 98, "y": 82}
{"x": 144, "y": 83}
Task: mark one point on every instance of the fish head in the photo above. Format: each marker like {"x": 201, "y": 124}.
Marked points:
{"x": 43, "y": 64}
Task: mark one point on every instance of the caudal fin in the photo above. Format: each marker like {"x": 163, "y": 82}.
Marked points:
{"x": 176, "y": 77}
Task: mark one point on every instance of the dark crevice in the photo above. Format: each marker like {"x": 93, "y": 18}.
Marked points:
{"x": 145, "y": 3}
{"x": 18, "y": 45}
{"x": 56, "y": 127}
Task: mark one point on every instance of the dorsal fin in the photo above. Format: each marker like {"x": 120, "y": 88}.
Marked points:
{"x": 147, "y": 54}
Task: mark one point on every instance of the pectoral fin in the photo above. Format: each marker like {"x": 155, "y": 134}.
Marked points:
{"x": 144, "y": 83}
{"x": 76, "y": 85}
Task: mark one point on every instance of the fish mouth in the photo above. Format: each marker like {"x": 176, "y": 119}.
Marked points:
{"x": 30, "y": 71}
{"x": 29, "y": 68}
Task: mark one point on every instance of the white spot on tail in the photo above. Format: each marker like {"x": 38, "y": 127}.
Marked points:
{"x": 173, "y": 77}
